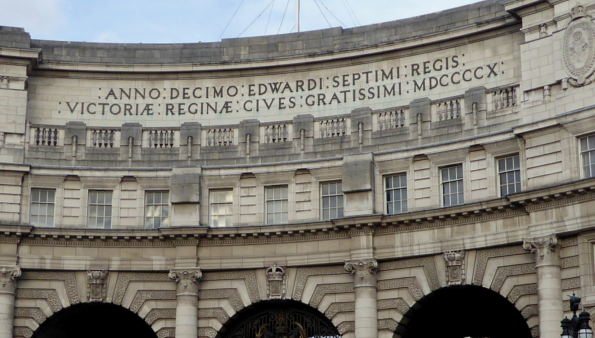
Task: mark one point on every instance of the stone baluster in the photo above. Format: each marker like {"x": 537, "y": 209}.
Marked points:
{"x": 366, "y": 303}
{"x": 187, "y": 301}
{"x": 549, "y": 284}
{"x": 8, "y": 277}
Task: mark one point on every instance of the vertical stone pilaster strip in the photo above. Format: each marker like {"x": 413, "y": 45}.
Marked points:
{"x": 187, "y": 301}
{"x": 8, "y": 277}
{"x": 366, "y": 303}
{"x": 549, "y": 284}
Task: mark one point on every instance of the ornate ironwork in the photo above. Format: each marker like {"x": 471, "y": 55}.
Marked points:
{"x": 282, "y": 322}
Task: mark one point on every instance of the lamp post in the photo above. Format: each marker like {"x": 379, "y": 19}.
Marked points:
{"x": 577, "y": 327}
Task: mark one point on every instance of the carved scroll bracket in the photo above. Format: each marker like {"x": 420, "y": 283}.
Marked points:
{"x": 8, "y": 277}
{"x": 545, "y": 249}
{"x": 187, "y": 280}
{"x": 364, "y": 271}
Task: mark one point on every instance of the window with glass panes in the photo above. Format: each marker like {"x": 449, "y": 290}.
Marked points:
{"x": 276, "y": 205}
{"x": 221, "y": 208}
{"x": 395, "y": 190}
{"x": 100, "y": 209}
{"x": 332, "y": 200}
{"x": 42, "y": 207}
{"x": 509, "y": 173}
{"x": 588, "y": 155}
{"x": 452, "y": 186}
{"x": 156, "y": 209}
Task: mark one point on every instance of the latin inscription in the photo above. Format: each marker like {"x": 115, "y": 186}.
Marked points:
{"x": 415, "y": 79}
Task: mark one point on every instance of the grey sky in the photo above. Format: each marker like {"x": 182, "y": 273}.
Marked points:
{"x": 158, "y": 21}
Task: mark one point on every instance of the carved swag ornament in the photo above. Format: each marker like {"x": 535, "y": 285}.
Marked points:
{"x": 187, "y": 280}
{"x": 364, "y": 271}
{"x": 577, "y": 47}
{"x": 8, "y": 277}
{"x": 96, "y": 291}
{"x": 275, "y": 282}
{"x": 455, "y": 267}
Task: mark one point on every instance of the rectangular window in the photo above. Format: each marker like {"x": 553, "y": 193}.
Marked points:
{"x": 588, "y": 155}
{"x": 156, "y": 209}
{"x": 221, "y": 208}
{"x": 42, "y": 207}
{"x": 509, "y": 173}
{"x": 452, "y": 186}
{"x": 276, "y": 204}
{"x": 396, "y": 193}
{"x": 100, "y": 209}
{"x": 332, "y": 200}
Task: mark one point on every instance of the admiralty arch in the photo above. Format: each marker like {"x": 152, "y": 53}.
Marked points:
{"x": 426, "y": 177}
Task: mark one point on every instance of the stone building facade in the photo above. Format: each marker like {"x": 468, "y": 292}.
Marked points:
{"x": 378, "y": 180}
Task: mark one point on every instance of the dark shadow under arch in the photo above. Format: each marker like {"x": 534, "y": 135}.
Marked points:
{"x": 94, "y": 320}
{"x": 276, "y": 319}
{"x": 463, "y": 311}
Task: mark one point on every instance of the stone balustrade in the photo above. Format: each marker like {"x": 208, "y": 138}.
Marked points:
{"x": 161, "y": 138}
{"x": 103, "y": 138}
{"x": 336, "y": 127}
{"x": 503, "y": 98}
{"x": 391, "y": 119}
{"x": 46, "y": 136}
{"x": 276, "y": 133}
{"x": 449, "y": 109}
{"x": 219, "y": 137}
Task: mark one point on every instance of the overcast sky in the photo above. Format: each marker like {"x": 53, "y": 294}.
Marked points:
{"x": 162, "y": 21}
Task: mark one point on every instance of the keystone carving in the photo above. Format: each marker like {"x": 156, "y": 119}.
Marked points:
{"x": 364, "y": 271}
{"x": 544, "y": 249}
{"x": 96, "y": 291}
{"x": 577, "y": 47}
{"x": 275, "y": 282}
{"x": 8, "y": 277}
{"x": 455, "y": 267}
{"x": 187, "y": 280}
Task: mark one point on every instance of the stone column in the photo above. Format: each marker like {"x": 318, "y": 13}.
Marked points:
{"x": 549, "y": 284}
{"x": 366, "y": 303}
{"x": 8, "y": 276}
{"x": 187, "y": 298}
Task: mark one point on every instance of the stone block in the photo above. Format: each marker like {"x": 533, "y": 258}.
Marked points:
{"x": 190, "y": 129}
{"x": 252, "y": 127}
{"x": 475, "y": 95}
{"x": 305, "y": 122}
{"x": 358, "y": 173}
{"x": 75, "y": 128}
{"x": 420, "y": 106}
{"x": 361, "y": 115}
{"x": 134, "y": 130}
{"x": 185, "y": 185}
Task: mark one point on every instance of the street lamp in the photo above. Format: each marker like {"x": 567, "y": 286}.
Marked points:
{"x": 577, "y": 327}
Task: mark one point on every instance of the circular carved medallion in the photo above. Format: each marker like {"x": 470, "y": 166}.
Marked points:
{"x": 579, "y": 55}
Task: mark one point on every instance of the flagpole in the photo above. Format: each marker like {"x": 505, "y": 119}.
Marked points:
{"x": 297, "y": 16}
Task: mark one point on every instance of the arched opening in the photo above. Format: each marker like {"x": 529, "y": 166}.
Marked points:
{"x": 278, "y": 319}
{"x": 94, "y": 320}
{"x": 463, "y": 311}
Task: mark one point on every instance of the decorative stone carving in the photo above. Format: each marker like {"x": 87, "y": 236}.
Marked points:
{"x": 166, "y": 332}
{"x": 395, "y": 303}
{"x": 409, "y": 283}
{"x": 364, "y": 271}
{"x": 187, "y": 280}
{"x": 481, "y": 260}
{"x": 157, "y": 314}
{"x": 547, "y": 96}
{"x": 543, "y": 30}
{"x": 142, "y": 296}
{"x": 322, "y": 290}
{"x": 577, "y": 47}
{"x": 232, "y": 296}
{"x": 8, "y": 277}
{"x": 51, "y": 297}
{"x": 275, "y": 282}
{"x": 335, "y": 308}
{"x": 69, "y": 279}
{"x": 544, "y": 249}
{"x": 521, "y": 290}
{"x": 249, "y": 277}
{"x": 455, "y": 267}
{"x": 4, "y": 82}
{"x": 96, "y": 291}
{"x": 504, "y": 272}
{"x": 427, "y": 263}
{"x": 125, "y": 278}
{"x": 303, "y": 274}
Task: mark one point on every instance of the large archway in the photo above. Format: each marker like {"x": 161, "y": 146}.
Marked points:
{"x": 463, "y": 311}
{"x": 278, "y": 319}
{"x": 94, "y": 320}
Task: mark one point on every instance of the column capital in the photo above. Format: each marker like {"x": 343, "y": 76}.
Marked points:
{"x": 8, "y": 277}
{"x": 544, "y": 249}
{"x": 364, "y": 271}
{"x": 187, "y": 279}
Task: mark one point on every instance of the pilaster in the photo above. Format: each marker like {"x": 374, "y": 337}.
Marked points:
{"x": 8, "y": 277}
{"x": 366, "y": 303}
{"x": 549, "y": 284}
{"x": 187, "y": 301}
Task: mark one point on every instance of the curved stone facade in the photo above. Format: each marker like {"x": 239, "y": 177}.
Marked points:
{"x": 354, "y": 170}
